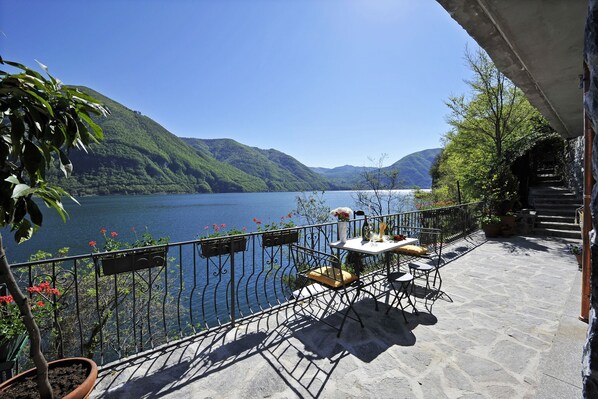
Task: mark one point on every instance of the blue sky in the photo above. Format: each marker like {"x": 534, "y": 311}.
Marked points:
{"x": 328, "y": 82}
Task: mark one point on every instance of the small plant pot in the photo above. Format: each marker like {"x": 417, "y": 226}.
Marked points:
{"x": 138, "y": 260}
{"x": 579, "y": 260}
{"x": 222, "y": 246}
{"x": 81, "y": 391}
{"x": 271, "y": 239}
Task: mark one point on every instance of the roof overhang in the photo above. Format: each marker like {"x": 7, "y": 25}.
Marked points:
{"x": 538, "y": 44}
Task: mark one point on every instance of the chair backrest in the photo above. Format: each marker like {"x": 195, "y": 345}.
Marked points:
{"x": 429, "y": 238}
{"x": 320, "y": 267}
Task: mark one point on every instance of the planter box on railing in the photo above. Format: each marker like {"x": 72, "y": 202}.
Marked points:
{"x": 222, "y": 246}
{"x": 274, "y": 238}
{"x": 135, "y": 260}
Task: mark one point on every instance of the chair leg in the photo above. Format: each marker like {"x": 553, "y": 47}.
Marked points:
{"x": 349, "y": 308}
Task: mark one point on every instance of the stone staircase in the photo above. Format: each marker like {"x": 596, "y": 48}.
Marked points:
{"x": 555, "y": 207}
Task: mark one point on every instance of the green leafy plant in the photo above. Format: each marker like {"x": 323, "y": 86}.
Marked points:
{"x": 489, "y": 219}
{"x": 575, "y": 249}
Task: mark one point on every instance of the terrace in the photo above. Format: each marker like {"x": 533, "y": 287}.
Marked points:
{"x": 194, "y": 324}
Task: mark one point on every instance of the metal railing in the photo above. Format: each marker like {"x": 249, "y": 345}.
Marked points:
{"x": 116, "y": 304}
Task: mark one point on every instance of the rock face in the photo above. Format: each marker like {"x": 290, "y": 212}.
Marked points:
{"x": 590, "y": 353}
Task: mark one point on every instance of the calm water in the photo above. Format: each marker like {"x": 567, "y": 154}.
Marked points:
{"x": 179, "y": 217}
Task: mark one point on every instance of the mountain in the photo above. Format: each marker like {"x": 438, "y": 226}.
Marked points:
{"x": 138, "y": 156}
{"x": 277, "y": 170}
{"x": 413, "y": 171}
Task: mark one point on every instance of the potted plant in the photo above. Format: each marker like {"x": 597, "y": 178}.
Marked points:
{"x": 490, "y": 225}
{"x": 148, "y": 253}
{"x": 501, "y": 197}
{"x": 278, "y": 233}
{"x": 40, "y": 120}
{"x": 222, "y": 241}
{"x": 577, "y": 251}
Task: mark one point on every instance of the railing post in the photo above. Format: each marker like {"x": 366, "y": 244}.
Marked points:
{"x": 232, "y": 283}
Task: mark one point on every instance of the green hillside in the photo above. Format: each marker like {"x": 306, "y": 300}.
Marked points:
{"x": 138, "y": 156}
{"x": 277, "y": 170}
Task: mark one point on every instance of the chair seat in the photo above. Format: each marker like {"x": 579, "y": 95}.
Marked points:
{"x": 332, "y": 276}
{"x": 421, "y": 268}
{"x": 412, "y": 250}
{"x": 400, "y": 277}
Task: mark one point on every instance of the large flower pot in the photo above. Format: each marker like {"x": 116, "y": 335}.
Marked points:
{"x": 508, "y": 225}
{"x": 27, "y": 379}
{"x": 491, "y": 230}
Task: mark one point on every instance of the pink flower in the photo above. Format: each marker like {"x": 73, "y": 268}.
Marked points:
{"x": 113, "y": 234}
{"x": 103, "y": 230}
{"x": 93, "y": 244}
{"x": 223, "y": 226}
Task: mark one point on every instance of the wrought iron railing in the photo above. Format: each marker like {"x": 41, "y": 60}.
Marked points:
{"x": 117, "y": 304}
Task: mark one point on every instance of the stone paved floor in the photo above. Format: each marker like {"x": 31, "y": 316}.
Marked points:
{"x": 506, "y": 327}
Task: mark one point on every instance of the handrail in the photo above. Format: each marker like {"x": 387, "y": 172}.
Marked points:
{"x": 117, "y": 304}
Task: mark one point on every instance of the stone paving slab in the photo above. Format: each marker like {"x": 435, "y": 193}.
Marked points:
{"x": 498, "y": 331}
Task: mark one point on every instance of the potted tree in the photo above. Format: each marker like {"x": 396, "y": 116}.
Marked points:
{"x": 40, "y": 119}
{"x": 491, "y": 225}
{"x": 501, "y": 197}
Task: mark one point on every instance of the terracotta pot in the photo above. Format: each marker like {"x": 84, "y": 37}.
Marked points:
{"x": 81, "y": 392}
{"x": 578, "y": 257}
{"x": 508, "y": 225}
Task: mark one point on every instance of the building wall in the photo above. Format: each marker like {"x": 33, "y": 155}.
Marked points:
{"x": 573, "y": 165}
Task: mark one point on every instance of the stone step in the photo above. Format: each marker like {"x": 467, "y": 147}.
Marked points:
{"x": 539, "y": 201}
{"x": 557, "y": 212}
{"x": 557, "y": 225}
{"x": 555, "y": 219}
{"x": 552, "y": 206}
{"x": 557, "y": 233}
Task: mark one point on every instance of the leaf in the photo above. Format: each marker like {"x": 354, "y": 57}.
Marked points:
{"x": 34, "y": 212}
{"x": 24, "y": 231}
{"x": 12, "y": 179}
{"x": 22, "y": 190}
{"x": 65, "y": 164}
{"x": 33, "y": 158}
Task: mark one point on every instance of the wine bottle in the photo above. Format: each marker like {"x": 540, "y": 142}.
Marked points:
{"x": 365, "y": 230}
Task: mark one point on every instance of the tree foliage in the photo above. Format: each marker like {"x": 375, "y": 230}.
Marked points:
{"x": 41, "y": 119}
{"x": 491, "y": 126}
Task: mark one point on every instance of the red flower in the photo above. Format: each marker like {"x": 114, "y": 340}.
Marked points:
{"x": 103, "y": 230}
{"x": 290, "y": 215}
{"x": 223, "y": 226}
{"x": 40, "y": 304}
{"x": 113, "y": 234}
{"x": 92, "y": 244}
{"x": 6, "y": 299}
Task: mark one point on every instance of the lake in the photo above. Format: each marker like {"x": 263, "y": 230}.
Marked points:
{"x": 179, "y": 217}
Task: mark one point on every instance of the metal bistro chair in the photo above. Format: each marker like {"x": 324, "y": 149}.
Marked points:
{"x": 320, "y": 275}
{"x": 428, "y": 247}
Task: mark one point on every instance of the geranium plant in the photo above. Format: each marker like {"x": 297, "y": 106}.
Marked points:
{"x": 111, "y": 243}
{"x": 575, "y": 249}
{"x": 42, "y": 309}
{"x": 343, "y": 214}
{"x": 286, "y": 222}
{"x": 221, "y": 230}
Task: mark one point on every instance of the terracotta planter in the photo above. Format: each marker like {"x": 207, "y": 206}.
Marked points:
{"x": 138, "y": 260}
{"x": 272, "y": 239}
{"x": 80, "y": 392}
{"x": 222, "y": 246}
{"x": 492, "y": 230}
{"x": 579, "y": 260}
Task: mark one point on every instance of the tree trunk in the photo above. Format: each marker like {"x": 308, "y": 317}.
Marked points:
{"x": 43, "y": 384}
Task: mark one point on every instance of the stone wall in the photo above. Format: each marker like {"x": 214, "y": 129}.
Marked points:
{"x": 573, "y": 165}
{"x": 590, "y": 352}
